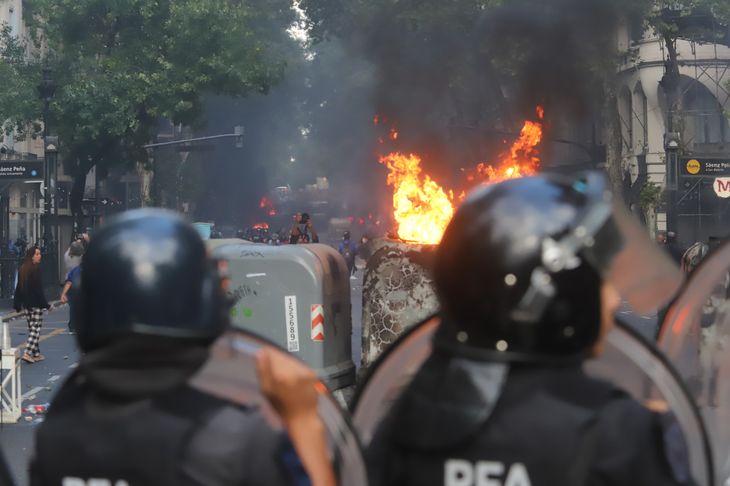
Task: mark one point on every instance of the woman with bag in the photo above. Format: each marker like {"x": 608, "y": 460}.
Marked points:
{"x": 29, "y": 295}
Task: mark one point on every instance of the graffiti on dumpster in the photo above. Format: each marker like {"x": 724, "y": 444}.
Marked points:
{"x": 292, "y": 326}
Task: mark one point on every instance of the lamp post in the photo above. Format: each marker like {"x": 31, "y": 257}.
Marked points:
{"x": 46, "y": 89}
{"x": 671, "y": 148}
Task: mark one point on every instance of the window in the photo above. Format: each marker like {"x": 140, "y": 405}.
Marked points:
{"x": 704, "y": 118}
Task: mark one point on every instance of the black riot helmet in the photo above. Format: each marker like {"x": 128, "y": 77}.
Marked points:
{"x": 520, "y": 268}
{"x": 147, "y": 273}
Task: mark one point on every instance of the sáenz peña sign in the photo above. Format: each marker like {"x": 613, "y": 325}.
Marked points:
{"x": 705, "y": 167}
{"x": 21, "y": 170}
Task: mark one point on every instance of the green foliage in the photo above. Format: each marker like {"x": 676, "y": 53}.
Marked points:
{"x": 19, "y": 103}
{"x": 705, "y": 20}
{"x": 122, "y": 65}
{"x": 650, "y": 196}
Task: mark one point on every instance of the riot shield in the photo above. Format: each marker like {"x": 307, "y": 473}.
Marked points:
{"x": 628, "y": 361}
{"x": 695, "y": 336}
{"x": 230, "y": 373}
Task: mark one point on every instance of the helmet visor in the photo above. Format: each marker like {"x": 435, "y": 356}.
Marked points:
{"x": 641, "y": 272}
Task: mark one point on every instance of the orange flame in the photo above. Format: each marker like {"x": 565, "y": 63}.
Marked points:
{"x": 266, "y": 204}
{"x": 521, "y": 160}
{"x": 421, "y": 207}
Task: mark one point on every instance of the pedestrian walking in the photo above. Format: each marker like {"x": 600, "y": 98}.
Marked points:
{"x": 29, "y": 296}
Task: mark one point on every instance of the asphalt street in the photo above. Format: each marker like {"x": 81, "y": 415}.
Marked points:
{"x": 39, "y": 381}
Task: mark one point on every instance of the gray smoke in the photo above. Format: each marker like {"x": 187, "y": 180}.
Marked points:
{"x": 456, "y": 88}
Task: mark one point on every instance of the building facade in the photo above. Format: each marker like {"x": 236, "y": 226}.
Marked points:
{"x": 688, "y": 161}
{"x": 21, "y": 201}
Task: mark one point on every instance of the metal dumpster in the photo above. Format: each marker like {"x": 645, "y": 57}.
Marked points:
{"x": 298, "y": 296}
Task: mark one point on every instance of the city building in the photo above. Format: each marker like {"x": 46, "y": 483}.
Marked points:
{"x": 678, "y": 175}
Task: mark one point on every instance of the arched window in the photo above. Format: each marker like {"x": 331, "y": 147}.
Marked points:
{"x": 704, "y": 120}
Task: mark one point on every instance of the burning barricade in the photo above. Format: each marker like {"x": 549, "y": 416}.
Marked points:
{"x": 398, "y": 289}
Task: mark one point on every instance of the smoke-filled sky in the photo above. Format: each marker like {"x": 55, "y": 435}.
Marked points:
{"x": 456, "y": 91}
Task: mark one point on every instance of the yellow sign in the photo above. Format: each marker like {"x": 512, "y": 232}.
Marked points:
{"x": 693, "y": 166}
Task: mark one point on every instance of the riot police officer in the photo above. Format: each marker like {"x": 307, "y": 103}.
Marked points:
{"x": 149, "y": 304}
{"x": 528, "y": 275}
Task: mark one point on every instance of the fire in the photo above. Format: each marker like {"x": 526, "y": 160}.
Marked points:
{"x": 521, "y": 160}
{"x": 421, "y": 207}
{"x": 266, "y": 204}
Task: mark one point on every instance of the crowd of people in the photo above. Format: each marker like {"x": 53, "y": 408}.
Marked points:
{"x": 502, "y": 399}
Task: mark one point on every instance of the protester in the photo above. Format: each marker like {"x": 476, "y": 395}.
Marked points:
{"x": 348, "y": 250}
{"x": 72, "y": 257}
{"x": 303, "y": 230}
{"x": 76, "y": 249}
{"x": 148, "y": 304}
{"x": 29, "y": 295}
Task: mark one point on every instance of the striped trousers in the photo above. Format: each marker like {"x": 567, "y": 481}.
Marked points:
{"x": 35, "y": 321}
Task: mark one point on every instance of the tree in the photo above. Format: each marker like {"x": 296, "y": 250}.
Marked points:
{"x": 19, "y": 101}
{"x": 706, "y": 20}
{"x": 122, "y": 66}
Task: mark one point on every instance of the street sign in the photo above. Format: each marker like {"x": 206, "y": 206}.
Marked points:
{"x": 722, "y": 187}
{"x": 705, "y": 166}
{"x": 21, "y": 170}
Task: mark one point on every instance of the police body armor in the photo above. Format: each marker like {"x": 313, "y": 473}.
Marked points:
{"x": 501, "y": 387}
{"x": 461, "y": 420}
{"x": 184, "y": 437}
{"x": 218, "y": 429}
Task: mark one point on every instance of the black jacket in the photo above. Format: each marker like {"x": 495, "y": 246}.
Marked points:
{"x": 31, "y": 295}
{"x": 553, "y": 426}
{"x": 127, "y": 414}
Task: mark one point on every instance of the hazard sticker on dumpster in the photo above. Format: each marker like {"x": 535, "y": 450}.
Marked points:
{"x": 292, "y": 327}
{"x": 317, "y": 323}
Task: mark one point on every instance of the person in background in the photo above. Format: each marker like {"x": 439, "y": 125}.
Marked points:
{"x": 303, "y": 230}
{"x": 77, "y": 248}
{"x": 673, "y": 248}
{"x": 348, "y": 249}
{"x": 29, "y": 296}
{"x": 72, "y": 257}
